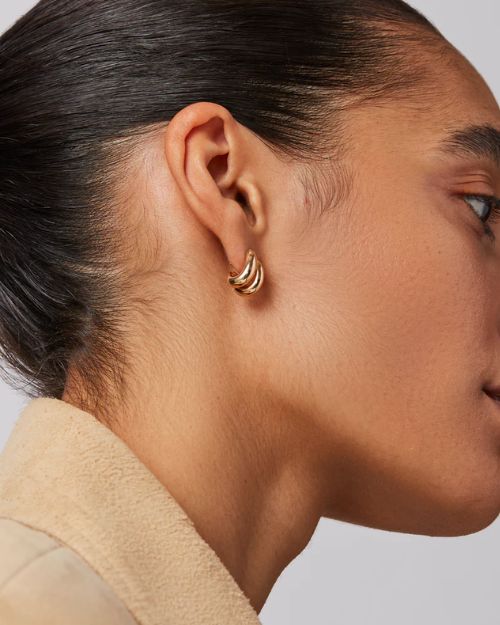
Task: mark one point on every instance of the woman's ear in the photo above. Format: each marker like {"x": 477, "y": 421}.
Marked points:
{"x": 209, "y": 158}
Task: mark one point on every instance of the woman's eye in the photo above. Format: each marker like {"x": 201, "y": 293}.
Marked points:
{"x": 486, "y": 207}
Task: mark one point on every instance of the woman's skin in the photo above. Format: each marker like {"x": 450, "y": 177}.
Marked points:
{"x": 351, "y": 385}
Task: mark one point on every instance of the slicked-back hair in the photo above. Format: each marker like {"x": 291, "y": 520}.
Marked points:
{"x": 81, "y": 82}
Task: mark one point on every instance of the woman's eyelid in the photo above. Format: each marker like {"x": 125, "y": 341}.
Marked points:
{"x": 479, "y": 186}
{"x": 482, "y": 186}
{"x": 479, "y": 174}
{"x": 486, "y": 195}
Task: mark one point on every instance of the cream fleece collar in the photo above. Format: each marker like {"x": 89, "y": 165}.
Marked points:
{"x": 67, "y": 474}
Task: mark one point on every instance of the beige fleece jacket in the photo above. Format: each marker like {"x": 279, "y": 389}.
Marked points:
{"x": 89, "y": 536}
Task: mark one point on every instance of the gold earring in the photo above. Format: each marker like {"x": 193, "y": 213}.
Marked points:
{"x": 251, "y": 277}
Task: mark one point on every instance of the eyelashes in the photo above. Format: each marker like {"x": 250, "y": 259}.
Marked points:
{"x": 492, "y": 213}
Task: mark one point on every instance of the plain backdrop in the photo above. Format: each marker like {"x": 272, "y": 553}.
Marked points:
{"x": 351, "y": 575}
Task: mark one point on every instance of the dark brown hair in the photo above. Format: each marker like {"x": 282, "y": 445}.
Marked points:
{"x": 81, "y": 82}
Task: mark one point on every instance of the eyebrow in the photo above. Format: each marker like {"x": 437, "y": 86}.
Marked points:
{"x": 477, "y": 141}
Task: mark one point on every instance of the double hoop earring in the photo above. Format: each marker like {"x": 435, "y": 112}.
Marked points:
{"x": 251, "y": 277}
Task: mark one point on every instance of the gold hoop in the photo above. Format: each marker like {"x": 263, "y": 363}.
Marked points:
{"x": 251, "y": 277}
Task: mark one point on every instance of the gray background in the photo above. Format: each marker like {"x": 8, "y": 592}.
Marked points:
{"x": 351, "y": 575}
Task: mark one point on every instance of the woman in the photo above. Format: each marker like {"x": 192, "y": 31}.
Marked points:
{"x": 249, "y": 271}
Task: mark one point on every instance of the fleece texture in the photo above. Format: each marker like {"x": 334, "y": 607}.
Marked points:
{"x": 66, "y": 474}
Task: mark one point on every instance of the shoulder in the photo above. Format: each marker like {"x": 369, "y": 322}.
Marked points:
{"x": 44, "y": 582}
